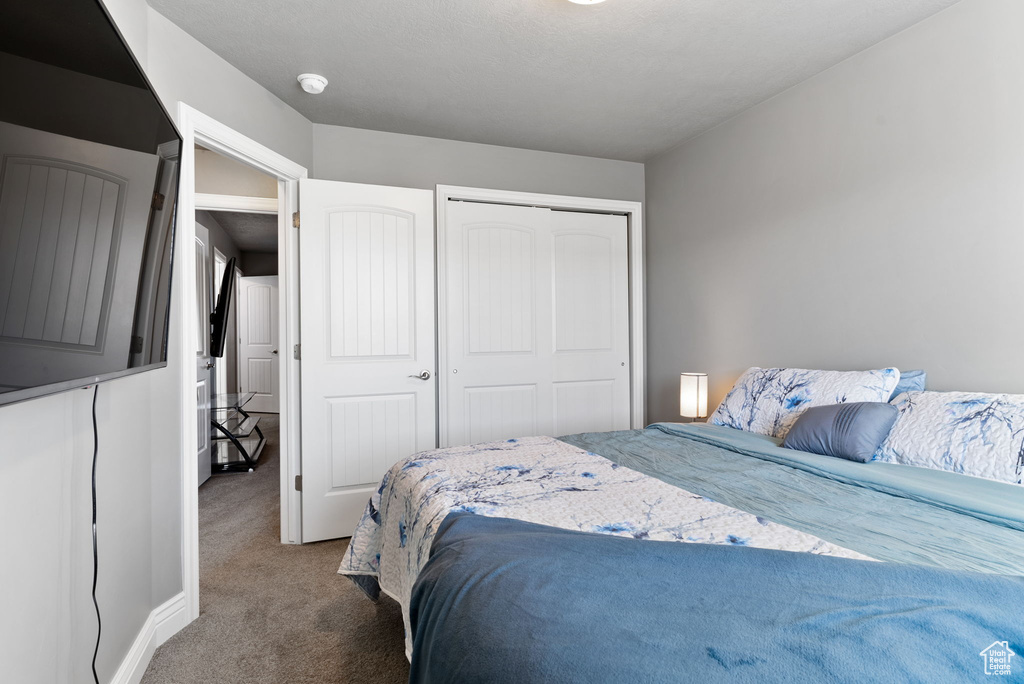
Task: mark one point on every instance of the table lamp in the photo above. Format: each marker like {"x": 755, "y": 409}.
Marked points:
{"x": 693, "y": 395}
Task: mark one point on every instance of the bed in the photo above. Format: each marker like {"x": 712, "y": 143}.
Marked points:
{"x": 852, "y": 509}
{"x": 693, "y": 483}
{"x": 503, "y": 601}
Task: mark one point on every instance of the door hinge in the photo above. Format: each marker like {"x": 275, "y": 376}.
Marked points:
{"x": 158, "y": 202}
{"x": 295, "y": 220}
{"x": 297, "y": 352}
{"x": 137, "y": 343}
{"x": 298, "y": 483}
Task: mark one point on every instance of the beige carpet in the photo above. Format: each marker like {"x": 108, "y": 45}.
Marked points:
{"x": 274, "y": 613}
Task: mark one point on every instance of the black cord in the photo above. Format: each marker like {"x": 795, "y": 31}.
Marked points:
{"x": 95, "y": 548}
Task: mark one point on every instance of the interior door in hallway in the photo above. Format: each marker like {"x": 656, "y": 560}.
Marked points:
{"x": 368, "y": 343}
{"x": 258, "y": 351}
{"x": 204, "y": 362}
{"x": 536, "y": 328}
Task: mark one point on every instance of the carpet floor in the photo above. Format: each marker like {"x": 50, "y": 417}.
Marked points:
{"x": 273, "y": 613}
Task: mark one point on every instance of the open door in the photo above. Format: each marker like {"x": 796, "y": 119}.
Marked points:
{"x": 368, "y": 348}
{"x": 204, "y": 362}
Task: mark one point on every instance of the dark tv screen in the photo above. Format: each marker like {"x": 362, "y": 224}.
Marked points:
{"x": 88, "y": 188}
{"x": 219, "y": 317}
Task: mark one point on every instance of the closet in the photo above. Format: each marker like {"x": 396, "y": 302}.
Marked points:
{"x": 536, "y": 333}
{"x": 505, "y": 321}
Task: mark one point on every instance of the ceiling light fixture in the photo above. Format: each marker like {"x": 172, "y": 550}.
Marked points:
{"x": 586, "y": 2}
{"x": 313, "y": 84}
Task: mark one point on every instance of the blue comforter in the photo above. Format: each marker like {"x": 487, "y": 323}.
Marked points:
{"x": 889, "y": 512}
{"x": 508, "y": 601}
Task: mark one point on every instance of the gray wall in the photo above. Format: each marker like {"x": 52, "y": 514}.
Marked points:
{"x": 46, "y": 444}
{"x": 220, "y": 239}
{"x": 361, "y": 156}
{"x": 872, "y": 215}
{"x": 181, "y": 68}
{"x": 259, "y": 263}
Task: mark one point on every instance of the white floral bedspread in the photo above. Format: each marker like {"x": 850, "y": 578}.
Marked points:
{"x": 545, "y": 481}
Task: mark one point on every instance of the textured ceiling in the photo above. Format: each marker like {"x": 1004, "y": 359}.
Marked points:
{"x": 249, "y": 232}
{"x": 624, "y": 79}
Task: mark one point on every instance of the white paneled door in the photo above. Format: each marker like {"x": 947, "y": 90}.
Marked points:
{"x": 590, "y": 314}
{"x": 536, "y": 322}
{"x": 498, "y": 318}
{"x": 368, "y": 350}
{"x": 204, "y": 362}
{"x": 258, "y": 353}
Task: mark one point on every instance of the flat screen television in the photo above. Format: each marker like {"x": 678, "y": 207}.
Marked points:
{"x": 88, "y": 189}
{"x": 219, "y": 317}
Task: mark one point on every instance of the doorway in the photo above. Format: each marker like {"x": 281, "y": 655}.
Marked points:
{"x": 235, "y": 214}
{"x": 210, "y": 135}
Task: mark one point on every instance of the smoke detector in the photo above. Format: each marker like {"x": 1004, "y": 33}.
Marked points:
{"x": 313, "y": 84}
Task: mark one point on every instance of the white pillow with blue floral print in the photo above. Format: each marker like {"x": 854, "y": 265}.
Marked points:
{"x": 962, "y": 432}
{"x": 768, "y": 401}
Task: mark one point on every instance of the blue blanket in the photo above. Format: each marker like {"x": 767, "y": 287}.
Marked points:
{"x": 508, "y": 601}
{"x": 998, "y": 502}
{"x": 889, "y": 512}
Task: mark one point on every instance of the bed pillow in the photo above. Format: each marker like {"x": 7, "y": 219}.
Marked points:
{"x": 853, "y": 431}
{"x": 768, "y": 401}
{"x": 962, "y": 432}
{"x": 910, "y": 381}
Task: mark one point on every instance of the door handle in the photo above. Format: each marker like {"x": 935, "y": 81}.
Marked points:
{"x": 209, "y": 365}
{"x": 422, "y": 375}
{"x": 274, "y": 352}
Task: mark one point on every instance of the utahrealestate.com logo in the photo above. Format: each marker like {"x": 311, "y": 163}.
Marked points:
{"x": 997, "y": 658}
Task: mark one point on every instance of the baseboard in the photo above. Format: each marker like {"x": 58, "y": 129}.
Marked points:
{"x": 165, "y": 621}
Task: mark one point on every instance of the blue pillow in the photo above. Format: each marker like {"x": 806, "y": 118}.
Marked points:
{"x": 910, "y": 381}
{"x": 851, "y": 431}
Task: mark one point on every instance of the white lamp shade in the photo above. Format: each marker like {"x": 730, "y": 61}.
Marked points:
{"x": 693, "y": 395}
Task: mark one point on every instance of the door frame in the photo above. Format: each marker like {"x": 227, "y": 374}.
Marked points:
{"x": 242, "y": 203}
{"x": 198, "y": 128}
{"x": 633, "y": 211}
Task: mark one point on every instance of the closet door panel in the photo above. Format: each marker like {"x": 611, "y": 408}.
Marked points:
{"x": 499, "y": 263}
{"x": 498, "y": 322}
{"x": 585, "y": 406}
{"x": 591, "y": 322}
{"x": 537, "y": 322}
{"x": 497, "y": 412}
{"x": 583, "y": 275}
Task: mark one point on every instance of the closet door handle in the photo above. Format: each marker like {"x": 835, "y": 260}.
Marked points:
{"x": 422, "y": 375}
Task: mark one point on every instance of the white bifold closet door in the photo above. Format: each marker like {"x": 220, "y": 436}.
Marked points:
{"x": 368, "y": 344}
{"x": 536, "y": 329}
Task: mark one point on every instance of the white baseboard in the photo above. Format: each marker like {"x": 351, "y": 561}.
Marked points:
{"x": 164, "y": 622}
